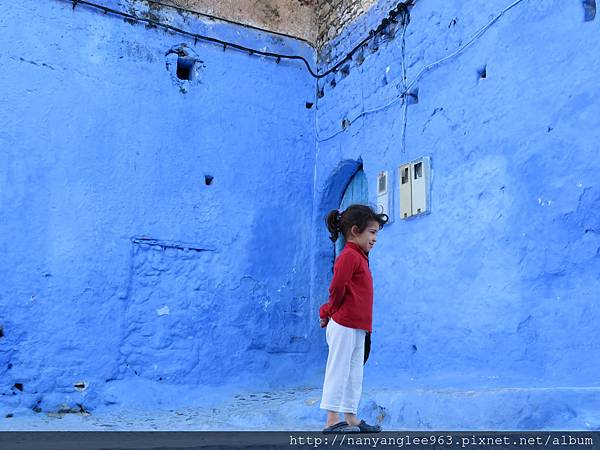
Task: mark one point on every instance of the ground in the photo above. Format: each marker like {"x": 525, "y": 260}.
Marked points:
{"x": 293, "y": 409}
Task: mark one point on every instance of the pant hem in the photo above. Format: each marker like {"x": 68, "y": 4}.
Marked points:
{"x": 338, "y": 409}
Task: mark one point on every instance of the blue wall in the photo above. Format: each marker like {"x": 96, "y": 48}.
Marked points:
{"x": 119, "y": 261}
{"x": 488, "y": 306}
{"x": 123, "y": 270}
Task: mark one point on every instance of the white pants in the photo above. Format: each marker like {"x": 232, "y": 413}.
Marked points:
{"x": 344, "y": 372}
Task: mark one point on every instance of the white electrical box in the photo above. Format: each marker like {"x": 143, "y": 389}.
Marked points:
{"x": 383, "y": 194}
{"x": 404, "y": 176}
{"x": 415, "y": 180}
{"x": 420, "y": 185}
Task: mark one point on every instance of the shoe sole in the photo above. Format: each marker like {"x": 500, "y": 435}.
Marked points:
{"x": 349, "y": 429}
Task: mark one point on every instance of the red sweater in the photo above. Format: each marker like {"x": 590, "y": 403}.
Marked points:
{"x": 351, "y": 290}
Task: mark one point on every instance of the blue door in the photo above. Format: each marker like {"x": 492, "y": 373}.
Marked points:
{"x": 356, "y": 192}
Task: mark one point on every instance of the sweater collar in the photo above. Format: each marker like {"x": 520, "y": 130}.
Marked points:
{"x": 358, "y": 249}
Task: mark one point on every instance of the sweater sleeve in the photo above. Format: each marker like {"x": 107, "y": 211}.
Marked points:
{"x": 343, "y": 269}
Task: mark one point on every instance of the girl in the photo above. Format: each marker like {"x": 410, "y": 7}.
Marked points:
{"x": 348, "y": 317}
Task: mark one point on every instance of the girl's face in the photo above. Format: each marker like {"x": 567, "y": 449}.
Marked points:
{"x": 367, "y": 239}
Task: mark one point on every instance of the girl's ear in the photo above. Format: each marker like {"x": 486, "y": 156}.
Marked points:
{"x": 352, "y": 232}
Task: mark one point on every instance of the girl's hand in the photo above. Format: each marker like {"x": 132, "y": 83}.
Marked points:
{"x": 323, "y": 322}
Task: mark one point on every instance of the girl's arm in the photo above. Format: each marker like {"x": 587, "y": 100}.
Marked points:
{"x": 343, "y": 269}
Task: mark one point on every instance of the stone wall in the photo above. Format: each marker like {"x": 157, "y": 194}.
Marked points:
{"x": 317, "y": 21}
{"x": 333, "y": 15}
{"x": 293, "y": 17}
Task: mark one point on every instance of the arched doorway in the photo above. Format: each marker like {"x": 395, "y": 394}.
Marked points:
{"x": 357, "y": 191}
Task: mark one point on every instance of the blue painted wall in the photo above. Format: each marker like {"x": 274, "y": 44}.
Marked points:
{"x": 488, "y": 307}
{"x": 123, "y": 271}
{"x": 119, "y": 261}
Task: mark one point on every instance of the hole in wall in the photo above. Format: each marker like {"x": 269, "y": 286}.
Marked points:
{"x": 18, "y": 386}
{"x": 320, "y": 92}
{"x": 185, "y": 68}
{"x": 345, "y": 124}
{"x": 1, "y": 332}
{"x": 208, "y": 179}
{"x": 413, "y": 97}
{"x": 482, "y": 72}
{"x": 333, "y": 83}
{"x": 345, "y": 70}
{"x": 309, "y": 105}
{"x": 589, "y": 8}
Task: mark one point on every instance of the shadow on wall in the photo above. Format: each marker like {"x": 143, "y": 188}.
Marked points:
{"x": 336, "y": 185}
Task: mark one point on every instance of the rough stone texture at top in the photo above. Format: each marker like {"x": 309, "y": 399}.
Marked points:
{"x": 317, "y": 21}
{"x": 333, "y": 15}
{"x": 293, "y": 17}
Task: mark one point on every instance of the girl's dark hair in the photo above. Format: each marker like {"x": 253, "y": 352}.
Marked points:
{"x": 359, "y": 215}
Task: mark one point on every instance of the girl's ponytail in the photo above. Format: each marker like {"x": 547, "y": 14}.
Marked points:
{"x": 333, "y": 224}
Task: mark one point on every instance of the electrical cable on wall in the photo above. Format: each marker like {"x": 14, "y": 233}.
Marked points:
{"x": 401, "y": 9}
{"x": 404, "y": 80}
{"x": 278, "y": 56}
{"x": 425, "y": 69}
{"x": 196, "y": 36}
